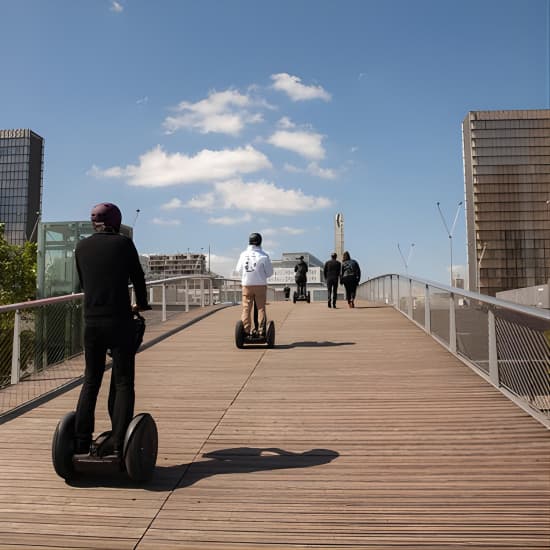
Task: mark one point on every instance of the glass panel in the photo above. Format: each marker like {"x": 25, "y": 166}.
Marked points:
{"x": 419, "y": 299}
{"x": 404, "y": 295}
{"x": 472, "y": 332}
{"x": 439, "y": 314}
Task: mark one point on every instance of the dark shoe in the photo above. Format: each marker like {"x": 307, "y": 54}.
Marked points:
{"x": 329, "y": 304}
{"x": 334, "y": 306}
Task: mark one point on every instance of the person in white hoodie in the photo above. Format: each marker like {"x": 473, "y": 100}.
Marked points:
{"x": 255, "y": 268}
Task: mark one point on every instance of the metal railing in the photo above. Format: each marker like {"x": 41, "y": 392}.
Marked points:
{"x": 41, "y": 341}
{"x": 506, "y": 343}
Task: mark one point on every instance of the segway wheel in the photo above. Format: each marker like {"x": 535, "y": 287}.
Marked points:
{"x": 141, "y": 447}
{"x": 308, "y": 297}
{"x": 63, "y": 446}
{"x": 295, "y": 297}
{"x": 239, "y": 334}
{"x": 270, "y": 334}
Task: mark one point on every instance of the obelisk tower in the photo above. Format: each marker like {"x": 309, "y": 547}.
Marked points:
{"x": 339, "y": 235}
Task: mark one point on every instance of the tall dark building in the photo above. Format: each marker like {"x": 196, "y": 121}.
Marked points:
{"x": 507, "y": 184}
{"x": 21, "y": 162}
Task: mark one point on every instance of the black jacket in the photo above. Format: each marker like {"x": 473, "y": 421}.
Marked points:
{"x": 332, "y": 270}
{"x": 351, "y": 271}
{"x": 300, "y": 270}
{"x": 106, "y": 263}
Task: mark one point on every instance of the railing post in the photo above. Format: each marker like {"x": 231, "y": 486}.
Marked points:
{"x": 398, "y": 304}
{"x": 202, "y": 291}
{"x": 186, "y": 295}
{"x": 151, "y": 295}
{"x": 493, "y": 354}
{"x": 211, "y": 292}
{"x": 452, "y": 323}
{"x": 410, "y": 304}
{"x": 427, "y": 311}
{"x": 163, "y": 302}
{"x": 16, "y": 348}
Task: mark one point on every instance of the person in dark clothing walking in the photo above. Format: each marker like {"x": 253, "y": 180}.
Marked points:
{"x": 106, "y": 262}
{"x": 350, "y": 277}
{"x": 300, "y": 276}
{"x": 331, "y": 272}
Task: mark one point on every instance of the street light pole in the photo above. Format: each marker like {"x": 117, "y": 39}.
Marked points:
{"x": 450, "y": 232}
{"x": 406, "y": 262}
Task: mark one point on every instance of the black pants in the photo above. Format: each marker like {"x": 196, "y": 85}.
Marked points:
{"x": 301, "y": 284}
{"x": 350, "y": 284}
{"x": 98, "y": 337}
{"x": 332, "y": 286}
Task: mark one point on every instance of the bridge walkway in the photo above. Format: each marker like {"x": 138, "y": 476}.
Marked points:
{"x": 356, "y": 431}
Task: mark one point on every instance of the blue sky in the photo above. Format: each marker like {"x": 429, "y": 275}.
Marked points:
{"x": 216, "y": 119}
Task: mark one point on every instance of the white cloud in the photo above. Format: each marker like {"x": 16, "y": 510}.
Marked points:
{"x": 258, "y": 197}
{"x": 313, "y": 169}
{"x": 157, "y": 168}
{"x": 162, "y": 221}
{"x": 293, "y": 87}
{"x": 286, "y": 230}
{"x": 142, "y": 100}
{"x": 354, "y": 149}
{"x": 228, "y": 220}
{"x": 221, "y": 112}
{"x": 307, "y": 144}
{"x": 173, "y": 204}
{"x": 116, "y": 7}
{"x": 286, "y": 123}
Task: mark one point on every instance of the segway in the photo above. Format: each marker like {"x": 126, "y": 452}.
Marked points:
{"x": 301, "y": 295}
{"x": 255, "y": 337}
{"x": 139, "y": 453}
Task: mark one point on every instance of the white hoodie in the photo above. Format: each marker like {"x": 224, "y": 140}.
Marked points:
{"x": 254, "y": 266}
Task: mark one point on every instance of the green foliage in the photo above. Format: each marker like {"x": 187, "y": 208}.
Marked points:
{"x": 17, "y": 271}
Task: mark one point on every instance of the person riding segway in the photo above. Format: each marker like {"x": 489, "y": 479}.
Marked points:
{"x": 255, "y": 268}
{"x": 300, "y": 276}
{"x": 106, "y": 261}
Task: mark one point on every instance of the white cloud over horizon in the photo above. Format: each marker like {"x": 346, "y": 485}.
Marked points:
{"x": 285, "y": 230}
{"x": 228, "y": 220}
{"x": 157, "y": 168}
{"x": 221, "y": 112}
{"x": 313, "y": 169}
{"x": 172, "y": 204}
{"x": 162, "y": 221}
{"x": 293, "y": 87}
{"x": 258, "y": 196}
{"x": 306, "y": 144}
{"x": 116, "y": 7}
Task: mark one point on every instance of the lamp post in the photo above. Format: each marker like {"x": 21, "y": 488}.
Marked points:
{"x": 407, "y": 261}
{"x": 450, "y": 232}
{"x": 136, "y": 217}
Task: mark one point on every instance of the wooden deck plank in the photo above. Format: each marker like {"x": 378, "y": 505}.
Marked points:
{"x": 357, "y": 430}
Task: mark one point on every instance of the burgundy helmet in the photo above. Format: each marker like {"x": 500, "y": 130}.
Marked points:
{"x": 108, "y": 214}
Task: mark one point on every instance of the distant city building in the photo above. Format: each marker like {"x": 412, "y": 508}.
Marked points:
{"x": 339, "y": 235}
{"x": 507, "y": 188}
{"x": 21, "y": 162}
{"x": 164, "y": 266}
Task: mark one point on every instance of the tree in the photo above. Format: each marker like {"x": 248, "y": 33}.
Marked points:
{"x": 17, "y": 271}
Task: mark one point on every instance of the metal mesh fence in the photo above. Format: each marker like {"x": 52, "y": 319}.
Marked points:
{"x": 439, "y": 313}
{"x": 524, "y": 357}
{"x": 472, "y": 333}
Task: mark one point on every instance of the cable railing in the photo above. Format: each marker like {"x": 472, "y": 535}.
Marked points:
{"x": 506, "y": 343}
{"x": 41, "y": 341}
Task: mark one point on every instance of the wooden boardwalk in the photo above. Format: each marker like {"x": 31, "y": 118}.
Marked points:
{"x": 356, "y": 431}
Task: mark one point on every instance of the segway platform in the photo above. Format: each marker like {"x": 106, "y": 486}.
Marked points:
{"x": 138, "y": 458}
{"x": 301, "y": 297}
{"x": 255, "y": 338}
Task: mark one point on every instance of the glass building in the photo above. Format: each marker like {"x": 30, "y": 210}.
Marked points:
{"x": 507, "y": 189}
{"x": 21, "y": 163}
{"x": 56, "y": 268}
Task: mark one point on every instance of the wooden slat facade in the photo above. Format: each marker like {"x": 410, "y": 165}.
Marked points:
{"x": 356, "y": 431}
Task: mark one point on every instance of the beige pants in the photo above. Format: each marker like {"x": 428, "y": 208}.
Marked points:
{"x": 250, "y": 294}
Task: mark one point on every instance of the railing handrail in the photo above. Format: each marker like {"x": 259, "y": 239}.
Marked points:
{"x": 489, "y": 300}
{"x": 69, "y": 297}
